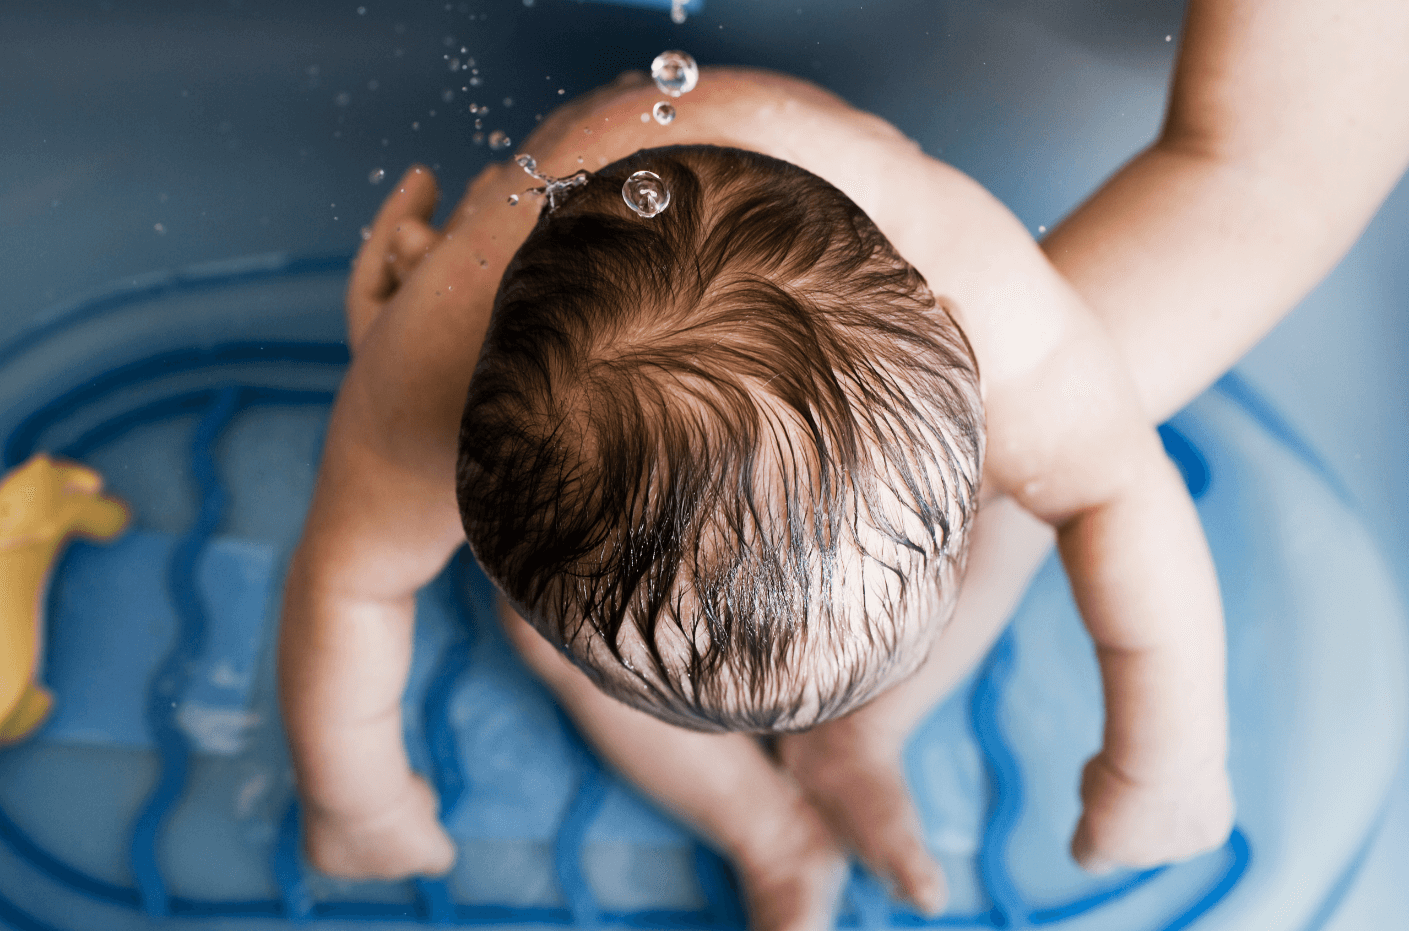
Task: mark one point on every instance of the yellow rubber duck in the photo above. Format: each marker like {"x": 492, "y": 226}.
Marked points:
{"x": 42, "y": 504}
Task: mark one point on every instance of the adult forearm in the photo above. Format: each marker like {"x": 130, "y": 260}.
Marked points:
{"x": 1286, "y": 130}
{"x": 1190, "y": 258}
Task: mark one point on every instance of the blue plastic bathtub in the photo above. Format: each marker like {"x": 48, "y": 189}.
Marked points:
{"x": 146, "y": 137}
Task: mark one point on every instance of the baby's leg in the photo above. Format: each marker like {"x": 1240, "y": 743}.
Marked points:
{"x": 395, "y": 243}
{"x": 723, "y": 785}
{"x": 851, "y": 767}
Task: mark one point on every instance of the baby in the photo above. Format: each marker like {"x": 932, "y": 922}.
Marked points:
{"x": 726, "y": 460}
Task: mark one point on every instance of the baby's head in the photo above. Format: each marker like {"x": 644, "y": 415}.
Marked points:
{"x": 727, "y": 457}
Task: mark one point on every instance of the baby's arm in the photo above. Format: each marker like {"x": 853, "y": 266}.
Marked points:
{"x": 382, "y": 523}
{"x": 1069, "y": 441}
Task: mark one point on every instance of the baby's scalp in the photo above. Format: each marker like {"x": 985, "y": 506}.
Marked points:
{"x": 725, "y": 457}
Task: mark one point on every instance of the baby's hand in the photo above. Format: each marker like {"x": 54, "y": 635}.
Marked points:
{"x": 856, "y": 780}
{"x": 1143, "y": 823}
{"x": 398, "y": 840}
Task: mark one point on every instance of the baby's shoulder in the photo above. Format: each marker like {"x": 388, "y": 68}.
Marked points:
{"x": 747, "y": 108}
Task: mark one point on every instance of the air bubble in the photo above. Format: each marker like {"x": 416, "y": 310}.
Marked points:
{"x": 645, "y": 193}
{"x": 675, "y": 73}
{"x": 498, "y": 140}
{"x": 377, "y": 175}
{"x": 664, "y": 113}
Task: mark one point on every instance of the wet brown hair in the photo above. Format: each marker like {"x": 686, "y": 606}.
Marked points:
{"x": 723, "y": 456}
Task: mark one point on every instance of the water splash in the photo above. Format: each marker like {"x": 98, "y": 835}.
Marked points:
{"x": 553, "y": 188}
{"x": 675, "y": 73}
{"x": 646, "y": 194}
{"x": 664, "y": 113}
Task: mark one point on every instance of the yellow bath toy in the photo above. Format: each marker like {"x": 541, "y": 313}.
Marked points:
{"x": 42, "y": 504}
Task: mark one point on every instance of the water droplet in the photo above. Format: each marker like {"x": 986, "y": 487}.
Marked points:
{"x": 343, "y": 99}
{"x": 675, "y": 73}
{"x": 645, "y": 117}
{"x": 513, "y": 200}
{"x": 508, "y": 101}
{"x": 161, "y": 230}
{"x": 1169, "y": 38}
{"x": 361, "y": 11}
{"x": 561, "y": 92}
{"x": 664, "y": 113}
{"x": 416, "y": 124}
{"x": 528, "y": 2}
{"x": 677, "y": 11}
{"x": 377, "y": 175}
{"x": 366, "y": 233}
{"x": 579, "y": 159}
{"x": 477, "y": 138}
{"x": 528, "y": 163}
{"x": 447, "y": 95}
{"x": 1042, "y": 229}
{"x": 476, "y": 82}
{"x": 645, "y": 193}
{"x": 497, "y": 140}
{"x": 373, "y": 84}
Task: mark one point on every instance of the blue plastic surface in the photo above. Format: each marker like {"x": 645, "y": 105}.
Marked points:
{"x": 208, "y": 828}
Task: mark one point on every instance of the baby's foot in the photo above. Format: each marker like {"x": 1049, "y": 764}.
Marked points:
{"x": 793, "y": 880}
{"x": 396, "y": 242}
{"x": 859, "y": 786}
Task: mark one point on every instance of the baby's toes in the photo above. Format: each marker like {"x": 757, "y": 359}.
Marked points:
{"x": 799, "y": 895}
{"x": 868, "y": 804}
{"x": 889, "y": 838}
